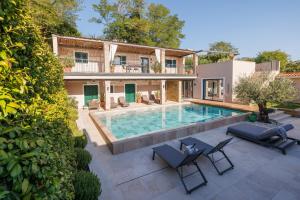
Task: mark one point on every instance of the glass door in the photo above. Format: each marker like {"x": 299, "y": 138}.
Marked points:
{"x": 213, "y": 89}
{"x": 145, "y": 65}
{"x": 187, "y": 89}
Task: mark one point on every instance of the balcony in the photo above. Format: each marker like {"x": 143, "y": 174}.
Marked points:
{"x": 94, "y": 66}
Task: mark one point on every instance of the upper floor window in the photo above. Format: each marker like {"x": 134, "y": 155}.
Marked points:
{"x": 81, "y": 57}
{"x": 120, "y": 60}
{"x": 170, "y": 63}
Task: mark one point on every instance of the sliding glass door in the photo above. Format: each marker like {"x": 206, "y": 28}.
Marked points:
{"x": 213, "y": 89}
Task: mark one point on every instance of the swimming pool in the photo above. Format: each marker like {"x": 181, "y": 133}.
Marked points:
{"x": 131, "y": 123}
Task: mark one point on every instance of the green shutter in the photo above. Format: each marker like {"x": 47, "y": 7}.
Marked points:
{"x": 90, "y": 92}
{"x": 130, "y": 93}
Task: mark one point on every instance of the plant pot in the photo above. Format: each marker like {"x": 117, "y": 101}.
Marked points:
{"x": 68, "y": 69}
{"x": 102, "y": 104}
{"x": 139, "y": 100}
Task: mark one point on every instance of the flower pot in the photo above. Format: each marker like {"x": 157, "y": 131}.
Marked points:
{"x": 68, "y": 69}
{"x": 139, "y": 100}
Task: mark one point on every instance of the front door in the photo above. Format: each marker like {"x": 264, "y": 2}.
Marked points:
{"x": 90, "y": 92}
{"x": 130, "y": 93}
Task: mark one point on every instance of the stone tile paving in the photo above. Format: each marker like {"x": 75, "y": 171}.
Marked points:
{"x": 259, "y": 173}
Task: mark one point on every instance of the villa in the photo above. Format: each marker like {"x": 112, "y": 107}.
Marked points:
{"x": 105, "y": 69}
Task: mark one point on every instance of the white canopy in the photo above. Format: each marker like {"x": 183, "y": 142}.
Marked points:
{"x": 112, "y": 52}
{"x": 157, "y": 54}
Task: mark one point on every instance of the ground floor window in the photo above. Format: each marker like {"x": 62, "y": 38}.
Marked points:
{"x": 213, "y": 89}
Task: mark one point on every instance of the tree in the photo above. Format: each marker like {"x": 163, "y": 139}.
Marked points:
{"x": 292, "y": 66}
{"x": 263, "y": 88}
{"x": 55, "y": 17}
{"x": 219, "y": 52}
{"x": 131, "y": 21}
{"x": 267, "y": 56}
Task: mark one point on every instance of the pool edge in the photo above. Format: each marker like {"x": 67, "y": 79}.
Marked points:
{"x": 120, "y": 146}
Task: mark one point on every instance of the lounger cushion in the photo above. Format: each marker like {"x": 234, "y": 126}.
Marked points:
{"x": 172, "y": 156}
{"x": 255, "y": 132}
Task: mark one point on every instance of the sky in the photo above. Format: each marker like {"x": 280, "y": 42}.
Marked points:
{"x": 250, "y": 25}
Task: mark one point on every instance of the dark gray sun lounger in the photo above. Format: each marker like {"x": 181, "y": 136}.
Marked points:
{"x": 176, "y": 160}
{"x": 264, "y": 135}
{"x": 209, "y": 151}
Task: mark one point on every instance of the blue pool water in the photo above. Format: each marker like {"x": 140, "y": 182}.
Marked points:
{"x": 124, "y": 124}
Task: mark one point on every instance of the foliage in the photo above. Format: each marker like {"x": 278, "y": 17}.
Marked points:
{"x": 219, "y": 52}
{"x": 67, "y": 61}
{"x": 83, "y": 158}
{"x": 292, "y": 67}
{"x": 57, "y": 16}
{"x": 267, "y": 56}
{"x": 263, "y": 88}
{"x": 132, "y": 21}
{"x": 286, "y": 105}
{"x": 87, "y": 186}
{"x": 156, "y": 67}
{"x": 80, "y": 141}
{"x": 36, "y": 117}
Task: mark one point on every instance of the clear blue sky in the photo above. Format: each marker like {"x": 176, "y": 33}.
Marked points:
{"x": 250, "y": 25}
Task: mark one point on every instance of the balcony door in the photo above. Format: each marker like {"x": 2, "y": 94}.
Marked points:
{"x": 145, "y": 65}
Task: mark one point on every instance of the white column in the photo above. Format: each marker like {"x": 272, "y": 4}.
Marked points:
{"x": 106, "y": 57}
{"x": 163, "y": 91}
{"x": 179, "y": 91}
{"x": 163, "y": 60}
{"x": 55, "y": 44}
{"x": 107, "y": 94}
{"x": 195, "y": 62}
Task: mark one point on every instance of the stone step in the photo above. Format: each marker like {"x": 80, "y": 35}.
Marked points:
{"x": 288, "y": 120}
{"x": 280, "y": 117}
{"x": 277, "y": 112}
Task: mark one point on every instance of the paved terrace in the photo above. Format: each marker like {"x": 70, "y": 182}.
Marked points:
{"x": 259, "y": 173}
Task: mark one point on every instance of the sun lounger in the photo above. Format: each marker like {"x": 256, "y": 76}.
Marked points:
{"x": 177, "y": 160}
{"x": 93, "y": 104}
{"x": 264, "y": 135}
{"x": 113, "y": 104}
{"x": 146, "y": 100}
{"x": 122, "y": 102}
{"x": 153, "y": 98}
{"x": 209, "y": 151}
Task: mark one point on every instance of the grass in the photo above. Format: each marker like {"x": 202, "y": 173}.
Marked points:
{"x": 287, "y": 105}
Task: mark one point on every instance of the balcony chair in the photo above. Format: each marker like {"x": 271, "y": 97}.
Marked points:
{"x": 93, "y": 104}
{"x": 113, "y": 104}
{"x": 122, "y": 102}
{"x": 153, "y": 98}
{"x": 146, "y": 100}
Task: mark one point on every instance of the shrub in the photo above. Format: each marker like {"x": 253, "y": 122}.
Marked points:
{"x": 83, "y": 158}
{"x": 80, "y": 141}
{"x": 87, "y": 186}
{"x": 37, "y": 158}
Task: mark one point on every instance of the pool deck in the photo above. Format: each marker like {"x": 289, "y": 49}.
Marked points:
{"x": 226, "y": 105}
{"x": 259, "y": 173}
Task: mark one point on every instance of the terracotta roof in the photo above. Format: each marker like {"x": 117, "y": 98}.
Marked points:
{"x": 290, "y": 74}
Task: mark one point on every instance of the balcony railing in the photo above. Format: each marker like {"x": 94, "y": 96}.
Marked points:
{"x": 90, "y": 66}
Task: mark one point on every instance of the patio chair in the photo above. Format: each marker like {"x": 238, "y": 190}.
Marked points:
{"x": 113, "y": 104}
{"x": 153, "y": 98}
{"x": 177, "y": 160}
{"x": 262, "y": 134}
{"x": 122, "y": 102}
{"x": 146, "y": 100}
{"x": 209, "y": 151}
{"x": 93, "y": 104}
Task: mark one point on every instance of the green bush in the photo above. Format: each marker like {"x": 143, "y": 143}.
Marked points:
{"x": 80, "y": 141}
{"x": 37, "y": 158}
{"x": 83, "y": 158}
{"x": 87, "y": 186}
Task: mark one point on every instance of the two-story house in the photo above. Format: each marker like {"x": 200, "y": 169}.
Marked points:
{"x": 107, "y": 70}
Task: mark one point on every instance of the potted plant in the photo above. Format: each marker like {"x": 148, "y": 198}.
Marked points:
{"x": 189, "y": 69}
{"x": 67, "y": 63}
{"x": 112, "y": 68}
{"x": 156, "y": 67}
{"x": 139, "y": 97}
{"x": 102, "y": 100}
